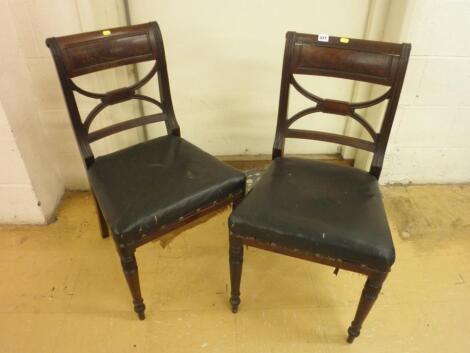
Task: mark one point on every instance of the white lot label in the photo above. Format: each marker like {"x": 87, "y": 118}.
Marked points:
{"x": 323, "y": 37}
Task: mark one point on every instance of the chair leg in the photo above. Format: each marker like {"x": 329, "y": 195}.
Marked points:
{"x": 369, "y": 295}
{"x": 103, "y": 225}
{"x": 129, "y": 266}
{"x": 236, "y": 262}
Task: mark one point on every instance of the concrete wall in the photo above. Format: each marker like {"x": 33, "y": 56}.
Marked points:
{"x": 30, "y": 183}
{"x": 39, "y": 155}
{"x": 430, "y": 142}
{"x": 225, "y": 61}
{"x": 19, "y": 202}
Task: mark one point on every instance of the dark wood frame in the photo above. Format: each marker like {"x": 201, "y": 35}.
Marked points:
{"x": 361, "y": 60}
{"x": 86, "y": 53}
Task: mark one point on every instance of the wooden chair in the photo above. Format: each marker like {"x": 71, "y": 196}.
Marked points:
{"x": 316, "y": 211}
{"x": 151, "y": 188}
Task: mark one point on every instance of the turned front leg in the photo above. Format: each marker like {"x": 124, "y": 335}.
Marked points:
{"x": 130, "y": 269}
{"x": 236, "y": 262}
{"x": 369, "y": 295}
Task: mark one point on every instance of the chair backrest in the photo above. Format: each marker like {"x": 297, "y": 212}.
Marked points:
{"x": 84, "y": 53}
{"x": 355, "y": 59}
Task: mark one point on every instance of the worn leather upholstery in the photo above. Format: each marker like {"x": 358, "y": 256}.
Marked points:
{"x": 319, "y": 208}
{"x": 146, "y": 186}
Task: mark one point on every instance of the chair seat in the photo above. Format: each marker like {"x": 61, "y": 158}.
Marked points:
{"x": 319, "y": 208}
{"x": 146, "y": 186}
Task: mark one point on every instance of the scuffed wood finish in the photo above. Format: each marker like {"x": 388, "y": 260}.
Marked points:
{"x": 362, "y": 60}
{"x": 89, "y": 52}
{"x": 131, "y": 272}
{"x": 369, "y": 295}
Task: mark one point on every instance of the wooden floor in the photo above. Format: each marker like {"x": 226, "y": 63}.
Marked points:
{"x": 62, "y": 290}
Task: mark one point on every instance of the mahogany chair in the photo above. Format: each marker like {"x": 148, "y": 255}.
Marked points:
{"x": 149, "y": 189}
{"x": 316, "y": 211}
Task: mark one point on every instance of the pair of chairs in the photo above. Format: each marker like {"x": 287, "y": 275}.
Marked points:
{"x": 320, "y": 212}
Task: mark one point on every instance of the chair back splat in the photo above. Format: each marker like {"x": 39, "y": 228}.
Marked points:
{"x": 85, "y": 53}
{"x": 354, "y": 59}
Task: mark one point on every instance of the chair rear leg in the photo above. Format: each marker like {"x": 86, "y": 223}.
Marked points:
{"x": 131, "y": 272}
{"x": 236, "y": 262}
{"x": 103, "y": 225}
{"x": 369, "y": 295}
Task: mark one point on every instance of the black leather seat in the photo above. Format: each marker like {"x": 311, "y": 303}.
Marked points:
{"x": 320, "y": 208}
{"x": 146, "y": 186}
